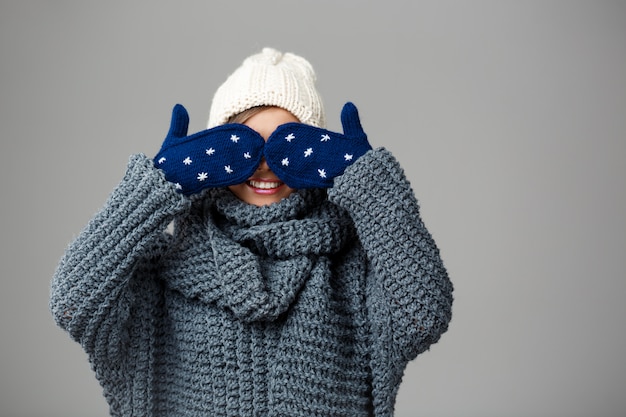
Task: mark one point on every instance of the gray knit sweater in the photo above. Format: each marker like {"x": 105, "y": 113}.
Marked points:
{"x": 308, "y": 307}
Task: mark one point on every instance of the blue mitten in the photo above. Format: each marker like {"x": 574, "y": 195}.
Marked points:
{"x": 305, "y": 156}
{"x": 217, "y": 157}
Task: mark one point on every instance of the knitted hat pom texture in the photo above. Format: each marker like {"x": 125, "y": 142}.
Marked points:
{"x": 270, "y": 78}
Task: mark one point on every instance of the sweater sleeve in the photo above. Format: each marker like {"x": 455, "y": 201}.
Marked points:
{"x": 89, "y": 295}
{"x": 409, "y": 292}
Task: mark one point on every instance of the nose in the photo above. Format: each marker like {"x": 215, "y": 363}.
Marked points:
{"x": 263, "y": 165}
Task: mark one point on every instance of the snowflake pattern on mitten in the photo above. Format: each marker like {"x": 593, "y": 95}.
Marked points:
{"x": 306, "y": 156}
{"x": 217, "y": 157}
{"x": 302, "y": 156}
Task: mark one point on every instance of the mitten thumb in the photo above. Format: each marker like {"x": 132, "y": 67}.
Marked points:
{"x": 178, "y": 126}
{"x": 351, "y": 123}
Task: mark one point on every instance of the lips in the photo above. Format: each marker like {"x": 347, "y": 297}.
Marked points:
{"x": 264, "y": 185}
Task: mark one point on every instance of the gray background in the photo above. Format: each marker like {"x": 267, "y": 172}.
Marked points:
{"x": 509, "y": 118}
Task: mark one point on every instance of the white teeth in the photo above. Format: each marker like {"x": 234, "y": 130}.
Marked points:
{"x": 264, "y": 184}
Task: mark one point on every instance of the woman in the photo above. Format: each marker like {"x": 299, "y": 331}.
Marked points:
{"x": 298, "y": 280}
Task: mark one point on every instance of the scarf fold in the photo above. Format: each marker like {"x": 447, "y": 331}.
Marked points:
{"x": 253, "y": 261}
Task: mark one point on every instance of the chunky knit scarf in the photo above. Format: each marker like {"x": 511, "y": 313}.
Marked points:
{"x": 255, "y": 260}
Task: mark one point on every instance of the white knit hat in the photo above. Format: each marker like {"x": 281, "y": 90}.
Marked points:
{"x": 270, "y": 78}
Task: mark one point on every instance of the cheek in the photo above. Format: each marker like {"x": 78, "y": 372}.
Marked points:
{"x": 238, "y": 190}
{"x": 288, "y": 190}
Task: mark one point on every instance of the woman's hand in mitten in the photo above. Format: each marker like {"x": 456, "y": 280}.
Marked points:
{"x": 305, "y": 156}
{"x": 217, "y": 157}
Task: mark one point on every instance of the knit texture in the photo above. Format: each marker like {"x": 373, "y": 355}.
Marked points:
{"x": 310, "y": 157}
{"x": 308, "y": 307}
{"x": 270, "y": 78}
{"x": 301, "y": 155}
{"x": 218, "y": 157}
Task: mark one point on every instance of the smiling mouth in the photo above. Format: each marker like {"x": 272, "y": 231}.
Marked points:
{"x": 264, "y": 184}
